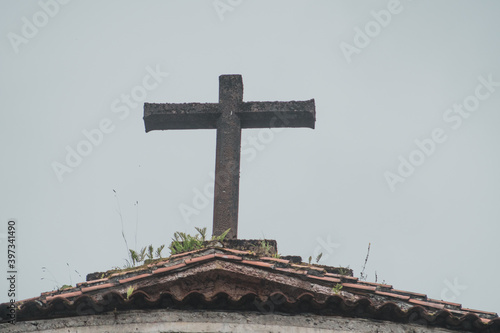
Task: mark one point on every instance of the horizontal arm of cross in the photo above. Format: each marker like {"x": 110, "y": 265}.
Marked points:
{"x": 162, "y": 116}
{"x": 277, "y": 114}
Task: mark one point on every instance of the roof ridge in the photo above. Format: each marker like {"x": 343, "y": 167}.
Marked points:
{"x": 345, "y": 286}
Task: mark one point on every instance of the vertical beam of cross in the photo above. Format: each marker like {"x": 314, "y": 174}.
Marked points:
{"x": 227, "y": 156}
{"x": 228, "y": 116}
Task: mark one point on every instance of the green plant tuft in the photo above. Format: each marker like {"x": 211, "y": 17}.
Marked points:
{"x": 158, "y": 251}
{"x": 343, "y": 271}
{"x": 146, "y": 254}
{"x": 337, "y": 288}
{"x": 130, "y": 290}
{"x": 221, "y": 236}
{"x": 318, "y": 258}
{"x": 183, "y": 242}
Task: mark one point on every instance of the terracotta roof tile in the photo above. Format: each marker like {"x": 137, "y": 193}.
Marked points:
{"x": 291, "y": 270}
{"x": 227, "y": 256}
{"x": 186, "y": 253}
{"x": 159, "y": 263}
{"x": 65, "y": 295}
{"x": 169, "y": 268}
{"x": 409, "y": 293}
{"x": 377, "y": 284}
{"x": 126, "y": 272}
{"x": 358, "y": 286}
{"x": 236, "y": 251}
{"x": 460, "y": 313}
{"x": 99, "y": 286}
{"x": 445, "y": 302}
{"x": 133, "y": 278}
{"x": 283, "y": 261}
{"x": 200, "y": 259}
{"x": 257, "y": 263}
{"x": 479, "y": 311}
{"x": 345, "y": 277}
{"x": 324, "y": 278}
{"x": 405, "y": 298}
{"x": 317, "y": 269}
{"x": 429, "y": 304}
{"x": 91, "y": 282}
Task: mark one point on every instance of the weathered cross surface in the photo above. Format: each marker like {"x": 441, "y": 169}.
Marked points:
{"x": 228, "y": 116}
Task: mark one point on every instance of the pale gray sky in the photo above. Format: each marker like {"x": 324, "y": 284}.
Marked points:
{"x": 384, "y": 75}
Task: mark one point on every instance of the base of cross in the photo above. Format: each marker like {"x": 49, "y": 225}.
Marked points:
{"x": 247, "y": 249}
{"x": 267, "y": 247}
{"x": 259, "y": 247}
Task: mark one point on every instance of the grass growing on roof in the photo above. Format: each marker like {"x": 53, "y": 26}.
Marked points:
{"x": 183, "y": 242}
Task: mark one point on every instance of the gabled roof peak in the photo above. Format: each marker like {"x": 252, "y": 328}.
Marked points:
{"x": 234, "y": 279}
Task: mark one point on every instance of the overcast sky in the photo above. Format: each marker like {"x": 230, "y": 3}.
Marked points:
{"x": 404, "y": 155}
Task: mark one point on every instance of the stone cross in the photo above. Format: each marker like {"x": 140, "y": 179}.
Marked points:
{"x": 228, "y": 116}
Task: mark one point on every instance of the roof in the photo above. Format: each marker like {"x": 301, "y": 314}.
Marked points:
{"x": 234, "y": 280}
